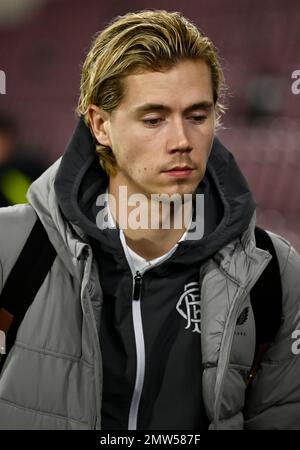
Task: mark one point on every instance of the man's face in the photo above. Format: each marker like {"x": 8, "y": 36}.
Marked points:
{"x": 166, "y": 119}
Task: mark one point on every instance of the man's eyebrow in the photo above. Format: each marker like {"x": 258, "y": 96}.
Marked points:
{"x": 147, "y": 107}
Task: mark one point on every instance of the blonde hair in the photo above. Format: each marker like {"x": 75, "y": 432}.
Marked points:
{"x": 144, "y": 40}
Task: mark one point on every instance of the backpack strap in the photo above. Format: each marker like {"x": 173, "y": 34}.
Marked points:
{"x": 24, "y": 281}
{"x": 266, "y": 301}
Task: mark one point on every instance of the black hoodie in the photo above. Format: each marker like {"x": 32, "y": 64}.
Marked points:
{"x": 154, "y": 383}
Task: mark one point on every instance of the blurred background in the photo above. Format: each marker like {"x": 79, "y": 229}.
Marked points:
{"x": 43, "y": 44}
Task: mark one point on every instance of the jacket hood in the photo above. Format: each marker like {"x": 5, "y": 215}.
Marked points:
{"x": 79, "y": 179}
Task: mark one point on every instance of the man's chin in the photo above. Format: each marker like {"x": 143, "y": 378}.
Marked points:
{"x": 181, "y": 190}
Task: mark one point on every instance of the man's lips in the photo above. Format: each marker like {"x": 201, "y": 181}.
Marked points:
{"x": 180, "y": 168}
{"x": 183, "y": 171}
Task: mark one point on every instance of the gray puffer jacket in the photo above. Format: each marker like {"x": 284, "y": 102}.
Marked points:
{"x": 52, "y": 378}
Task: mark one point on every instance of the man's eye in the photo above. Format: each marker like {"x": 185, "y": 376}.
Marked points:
{"x": 152, "y": 121}
{"x": 198, "y": 118}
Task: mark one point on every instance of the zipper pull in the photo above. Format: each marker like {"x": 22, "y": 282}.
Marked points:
{"x": 137, "y": 286}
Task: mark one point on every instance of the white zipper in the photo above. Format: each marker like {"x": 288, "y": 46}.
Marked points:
{"x": 138, "y": 336}
{"x": 140, "y": 345}
{"x": 140, "y": 351}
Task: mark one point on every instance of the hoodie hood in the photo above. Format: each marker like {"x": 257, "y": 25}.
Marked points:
{"x": 79, "y": 180}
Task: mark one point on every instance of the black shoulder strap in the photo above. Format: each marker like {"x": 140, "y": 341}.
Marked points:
{"x": 266, "y": 301}
{"x": 24, "y": 281}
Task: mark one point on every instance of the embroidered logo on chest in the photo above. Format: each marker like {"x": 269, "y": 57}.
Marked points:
{"x": 188, "y": 306}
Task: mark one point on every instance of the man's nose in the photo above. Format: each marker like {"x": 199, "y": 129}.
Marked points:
{"x": 178, "y": 140}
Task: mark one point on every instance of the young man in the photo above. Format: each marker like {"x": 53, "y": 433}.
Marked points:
{"x": 150, "y": 327}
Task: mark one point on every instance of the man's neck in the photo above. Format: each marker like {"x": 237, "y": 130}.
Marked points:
{"x": 151, "y": 246}
{"x": 147, "y": 241}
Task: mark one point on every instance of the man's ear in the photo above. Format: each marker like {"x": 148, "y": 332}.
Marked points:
{"x": 99, "y": 120}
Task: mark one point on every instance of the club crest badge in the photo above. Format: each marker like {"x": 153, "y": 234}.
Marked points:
{"x": 188, "y": 306}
